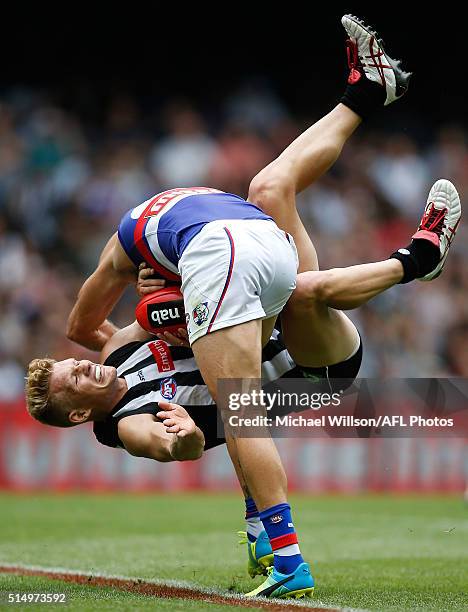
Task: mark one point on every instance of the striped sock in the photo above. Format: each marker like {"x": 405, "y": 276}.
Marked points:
{"x": 283, "y": 538}
{"x": 252, "y": 519}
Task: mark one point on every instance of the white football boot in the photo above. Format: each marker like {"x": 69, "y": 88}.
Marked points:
{"x": 440, "y": 221}
{"x": 366, "y": 56}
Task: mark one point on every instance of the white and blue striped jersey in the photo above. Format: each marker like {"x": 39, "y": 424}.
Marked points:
{"x": 158, "y": 231}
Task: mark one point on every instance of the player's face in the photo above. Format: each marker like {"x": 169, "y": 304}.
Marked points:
{"x": 83, "y": 382}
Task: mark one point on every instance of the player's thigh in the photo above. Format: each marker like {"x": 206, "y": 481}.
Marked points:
{"x": 315, "y": 334}
{"x": 274, "y": 192}
{"x": 318, "y": 342}
{"x": 231, "y": 352}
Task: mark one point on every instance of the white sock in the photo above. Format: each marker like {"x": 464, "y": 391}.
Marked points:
{"x": 254, "y": 526}
{"x": 288, "y": 551}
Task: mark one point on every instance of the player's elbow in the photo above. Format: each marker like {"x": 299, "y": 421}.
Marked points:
{"x": 154, "y": 448}
{"x": 73, "y": 331}
{"x": 271, "y": 188}
{"x": 160, "y": 457}
{"x": 77, "y": 333}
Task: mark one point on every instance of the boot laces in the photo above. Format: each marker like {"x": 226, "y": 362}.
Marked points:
{"x": 352, "y": 53}
{"x": 434, "y": 220}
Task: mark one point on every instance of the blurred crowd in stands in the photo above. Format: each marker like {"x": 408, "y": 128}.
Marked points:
{"x": 65, "y": 183}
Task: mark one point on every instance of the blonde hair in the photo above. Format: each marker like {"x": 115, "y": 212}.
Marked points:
{"x": 41, "y": 405}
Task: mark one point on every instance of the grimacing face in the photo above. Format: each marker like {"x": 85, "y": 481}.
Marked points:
{"x": 84, "y": 384}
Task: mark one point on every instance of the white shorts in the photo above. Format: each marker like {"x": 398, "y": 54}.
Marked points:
{"x": 235, "y": 271}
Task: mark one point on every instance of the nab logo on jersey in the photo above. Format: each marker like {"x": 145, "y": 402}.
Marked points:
{"x": 168, "y": 388}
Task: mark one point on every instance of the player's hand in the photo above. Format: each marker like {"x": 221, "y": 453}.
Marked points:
{"x": 145, "y": 284}
{"x": 176, "y": 419}
{"x": 188, "y": 441}
{"x": 181, "y": 339}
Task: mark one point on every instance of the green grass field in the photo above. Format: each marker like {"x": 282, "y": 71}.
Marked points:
{"x": 373, "y": 553}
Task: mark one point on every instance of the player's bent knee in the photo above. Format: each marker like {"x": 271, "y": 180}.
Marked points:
{"x": 312, "y": 289}
{"x": 271, "y": 188}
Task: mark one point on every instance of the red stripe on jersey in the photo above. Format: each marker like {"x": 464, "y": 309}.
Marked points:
{"x": 162, "y": 356}
{"x": 138, "y": 238}
{"x": 284, "y": 540}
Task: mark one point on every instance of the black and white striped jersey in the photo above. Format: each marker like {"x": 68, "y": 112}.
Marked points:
{"x": 156, "y": 371}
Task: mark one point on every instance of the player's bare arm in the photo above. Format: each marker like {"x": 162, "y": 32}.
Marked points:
{"x": 174, "y": 437}
{"x": 88, "y": 324}
{"x": 144, "y": 436}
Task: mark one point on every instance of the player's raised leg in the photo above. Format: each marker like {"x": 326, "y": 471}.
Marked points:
{"x": 306, "y": 159}
{"x": 314, "y": 151}
{"x": 319, "y": 293}
{"x": 315, "y": 332}
{"x": 308, "y": 315}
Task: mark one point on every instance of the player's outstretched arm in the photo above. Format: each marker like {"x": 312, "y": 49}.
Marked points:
{"x": 87, "y": 324}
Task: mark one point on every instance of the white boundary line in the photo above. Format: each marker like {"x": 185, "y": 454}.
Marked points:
{"x": 234, "y": 597}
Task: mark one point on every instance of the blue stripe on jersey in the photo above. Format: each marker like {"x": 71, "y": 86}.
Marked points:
{"x": 126, "y": 236}
{"x": 180, "y": 224}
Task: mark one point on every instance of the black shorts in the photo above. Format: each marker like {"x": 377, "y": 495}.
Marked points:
{"x": 328, "y": 379}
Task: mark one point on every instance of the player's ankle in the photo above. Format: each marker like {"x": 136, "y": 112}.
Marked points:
{"x": 418, "y": 259}
{"x": 364, "y": 97}
{"x": 287, "y": 564}
{"x": 278, "y": 524}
